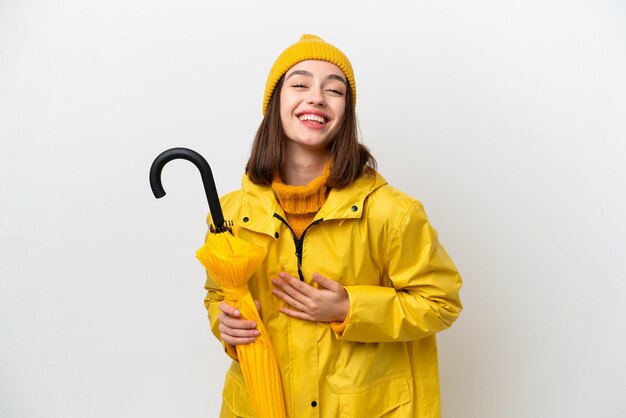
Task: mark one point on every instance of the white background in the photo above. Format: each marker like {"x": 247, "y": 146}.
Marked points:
{"x": 505, "y": 118}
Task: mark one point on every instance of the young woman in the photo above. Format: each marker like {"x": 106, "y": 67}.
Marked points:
{"x": 355, "y": 283}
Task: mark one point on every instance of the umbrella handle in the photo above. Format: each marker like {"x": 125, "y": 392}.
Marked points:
{"x": 205, "y": 171}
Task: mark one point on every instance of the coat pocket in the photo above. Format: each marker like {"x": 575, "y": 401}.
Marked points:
{"x": 235, "y": 394}
{"x": 375, "y": 399}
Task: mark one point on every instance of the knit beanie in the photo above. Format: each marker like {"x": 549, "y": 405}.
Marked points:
{"x": 309, "y": 47}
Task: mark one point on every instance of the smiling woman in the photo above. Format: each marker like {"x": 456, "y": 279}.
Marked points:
{"x": 352, "y": 310}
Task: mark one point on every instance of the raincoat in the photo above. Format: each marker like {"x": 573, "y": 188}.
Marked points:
{"x": 402, "y": 286}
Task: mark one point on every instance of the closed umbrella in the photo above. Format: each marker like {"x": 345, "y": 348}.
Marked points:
{"x": 231, "y": 261}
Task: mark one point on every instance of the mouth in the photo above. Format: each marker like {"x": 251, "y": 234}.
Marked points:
{"x": 313, "y": 118}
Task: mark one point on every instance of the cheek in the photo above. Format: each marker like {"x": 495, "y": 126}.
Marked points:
{"x": 285, "y": 112}
{"x": 284, "y": 115}
{"x": 286, "y": 106}
{"x": 340, "y": 112}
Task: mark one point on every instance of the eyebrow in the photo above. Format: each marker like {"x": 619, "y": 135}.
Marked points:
{"x": 309, "y": 74}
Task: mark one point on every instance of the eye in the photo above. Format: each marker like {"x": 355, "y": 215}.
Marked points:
{"x": 335, "y": 91}
{"x": 298, "y": 86}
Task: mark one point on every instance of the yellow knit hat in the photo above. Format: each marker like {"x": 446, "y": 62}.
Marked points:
{"x": 309, "y": 47}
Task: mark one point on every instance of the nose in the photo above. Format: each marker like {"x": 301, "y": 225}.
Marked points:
{"x": 316, "y": 97}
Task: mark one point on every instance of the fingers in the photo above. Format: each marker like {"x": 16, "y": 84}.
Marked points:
{"x": 297, "y": 314}
{"x": 296, "y": 284}
{"x": 229, "y": 310}
{"x": 291, "y": 300}
{"x": 326, "y": 302}
{"x": 296, "y": 293}
{"x": 326, "y": 283}
{"x": 233, "y": 329}
{"x": 334, "y": 287}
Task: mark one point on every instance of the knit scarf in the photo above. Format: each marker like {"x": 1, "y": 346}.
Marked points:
{"x": 301, "y": 203}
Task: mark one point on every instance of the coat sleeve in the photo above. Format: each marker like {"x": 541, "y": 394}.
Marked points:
{"x": 424, "y": 294}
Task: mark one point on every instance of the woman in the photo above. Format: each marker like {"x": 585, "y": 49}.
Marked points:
{"x": 355, "y": 283}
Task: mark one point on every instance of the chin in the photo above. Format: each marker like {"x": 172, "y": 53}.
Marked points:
{"x": 315, "y": 143}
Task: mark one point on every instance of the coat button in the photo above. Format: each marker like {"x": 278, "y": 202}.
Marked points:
{"x": 354, "y": 208}
{"x": 246, "y": 219}
{"x": 313, "y": 404}
{"x": 276, "y": 235}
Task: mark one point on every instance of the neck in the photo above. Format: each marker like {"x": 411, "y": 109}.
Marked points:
{"x": 301, "y": 167}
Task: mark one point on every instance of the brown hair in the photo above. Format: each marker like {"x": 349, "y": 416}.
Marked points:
{"x": 350, "y": 157}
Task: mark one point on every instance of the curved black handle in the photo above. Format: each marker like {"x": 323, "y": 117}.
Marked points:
{"x": 205, "y": 171}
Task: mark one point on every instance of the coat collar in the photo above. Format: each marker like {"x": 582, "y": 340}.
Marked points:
{"x": 259, "y": 203}
{"x": 348, "y": 202}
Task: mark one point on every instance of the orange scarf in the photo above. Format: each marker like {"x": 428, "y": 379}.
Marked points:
{"x": 301, "y": 203}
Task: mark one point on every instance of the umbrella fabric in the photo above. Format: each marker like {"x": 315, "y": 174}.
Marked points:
{"x": 231, "y": 261}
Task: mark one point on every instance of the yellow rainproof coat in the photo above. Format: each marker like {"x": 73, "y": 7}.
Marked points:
{"x": 403, "y": 288}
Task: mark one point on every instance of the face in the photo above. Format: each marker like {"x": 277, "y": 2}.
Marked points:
{"x": 312, "y": 103}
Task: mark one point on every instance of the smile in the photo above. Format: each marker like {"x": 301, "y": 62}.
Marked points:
{"x": 309, "y": 117}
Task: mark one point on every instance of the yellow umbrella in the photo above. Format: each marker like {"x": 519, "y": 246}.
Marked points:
{"x": 231, "y": 261}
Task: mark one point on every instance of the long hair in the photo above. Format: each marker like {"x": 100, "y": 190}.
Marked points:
{"x": 350, "y": 157}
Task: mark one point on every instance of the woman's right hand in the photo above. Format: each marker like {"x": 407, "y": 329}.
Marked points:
{"x": 233, "y": 329}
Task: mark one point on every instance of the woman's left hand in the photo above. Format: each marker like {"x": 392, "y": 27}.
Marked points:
{"x": 327, "y": 303}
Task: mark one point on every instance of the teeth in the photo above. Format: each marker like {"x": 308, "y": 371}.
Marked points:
{"x": 315, "y": 118}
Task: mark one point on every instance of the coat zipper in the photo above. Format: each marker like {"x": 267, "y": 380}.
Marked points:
{"x": 299, "y": 242}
